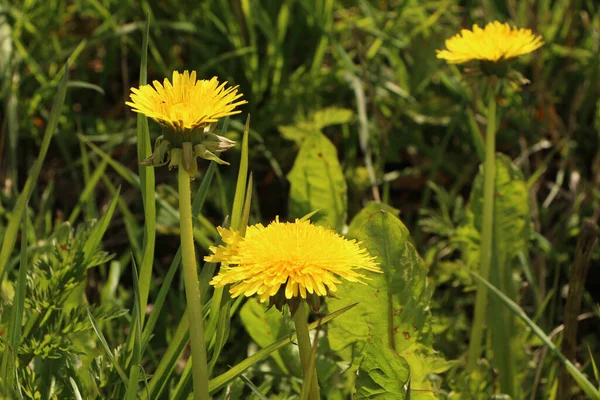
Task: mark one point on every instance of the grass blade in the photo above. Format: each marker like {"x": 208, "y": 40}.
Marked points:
{"x": 76, "y": 392}
{"x": 181, "y": 390}
{"x": 246, "y": 209}
{"x": 131, "y": 226}
{"x": 125, "y": 173}
{"x": 221, "y": 333}
{"x": 595, "y": 368}
{"x": 263, "y": 353}
{"x": 581, "y": 380}
{"x": 88, "y": 190}
{"x": 240, "y": 188}
{"x": 107, "y": 349}
{"x": 169, "y": 359}
{"x": 10, "y": 235}
{"x": 18, "y": 308}
{"x": 99, "y": 229}
{"x": 252, "y": 387}
{"x": 136, "y": 321}
{"x": 475, "y": 135}
{"x": 147, "y": 185}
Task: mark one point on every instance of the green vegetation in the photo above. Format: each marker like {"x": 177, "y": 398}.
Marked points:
{"x": 354, "y": 124}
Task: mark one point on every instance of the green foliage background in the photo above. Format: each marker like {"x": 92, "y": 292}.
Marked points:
{"x": 348, "y": 106}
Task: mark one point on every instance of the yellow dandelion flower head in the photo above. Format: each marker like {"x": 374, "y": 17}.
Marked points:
{"x": 494, "y": 43}
{"x": 296, "y": 258}
{"x": 186, "y": 103}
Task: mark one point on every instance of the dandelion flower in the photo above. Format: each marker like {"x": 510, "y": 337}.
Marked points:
{"x": 186, "y": 103}
{"x": 496, "y": 42}
{"x": 188, "y": 110}
{"x": 288, "y": 261}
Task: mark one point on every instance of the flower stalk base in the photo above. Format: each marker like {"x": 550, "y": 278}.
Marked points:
{"x": 489, "y": 182}
{"x": 300, "y": 319}
{"x": 192, "y": 290}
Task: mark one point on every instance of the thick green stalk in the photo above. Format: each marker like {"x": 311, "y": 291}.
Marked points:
{"x": 192, "y": 289}
{"x": 489, "y": 178}
{"x": 301, "y": 322}
{"x": 501, "y": 321}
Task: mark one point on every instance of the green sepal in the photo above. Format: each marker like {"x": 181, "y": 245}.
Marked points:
{"x": 189, "y": 160}
{"x": 176, "y": 158}
{"x": 161, "y": 154}
{"x": 201, "y": 151}
{"x": 214, "y": 142}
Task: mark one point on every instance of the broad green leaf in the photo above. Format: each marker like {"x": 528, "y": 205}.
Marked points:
{"x": 383, "y": 374}
{"x": 319, "y": 120}
{"x": 317, "y": 182}
{"x": 298, "y": 132}
{"x": 331, "y": 116}
{"x": 393, "y": 305}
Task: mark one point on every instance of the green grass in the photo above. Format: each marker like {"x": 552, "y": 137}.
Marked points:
{"x": 348, "y": 105}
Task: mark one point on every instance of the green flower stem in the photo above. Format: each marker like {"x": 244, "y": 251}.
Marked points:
{"x": 489, "y": 178}
{"x": 192, "y": 289}
{"x": 301, "y": 322}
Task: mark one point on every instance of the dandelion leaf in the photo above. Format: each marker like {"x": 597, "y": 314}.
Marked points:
{"x": 383, "y": 374}
{"x": 317, "y": 121}
{"x": 331, "y": 116}
{"x": 394, "y": 305}
{"x": 317, "y": 182}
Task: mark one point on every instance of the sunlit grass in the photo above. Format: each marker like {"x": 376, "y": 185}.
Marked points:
{"x": 357, "y": 126}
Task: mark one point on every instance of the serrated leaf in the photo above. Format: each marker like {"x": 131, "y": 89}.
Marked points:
{"x": 383, "y": 374}
{"x": 331, "y": 116}
{"x": 317, "y": 182}
{"x": 393, "y": 305}
{"x": 320, "y": 119}
{"x": 298, "y": 132}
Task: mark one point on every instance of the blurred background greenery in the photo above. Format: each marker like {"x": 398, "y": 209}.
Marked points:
{"x": 364, "y": 73}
